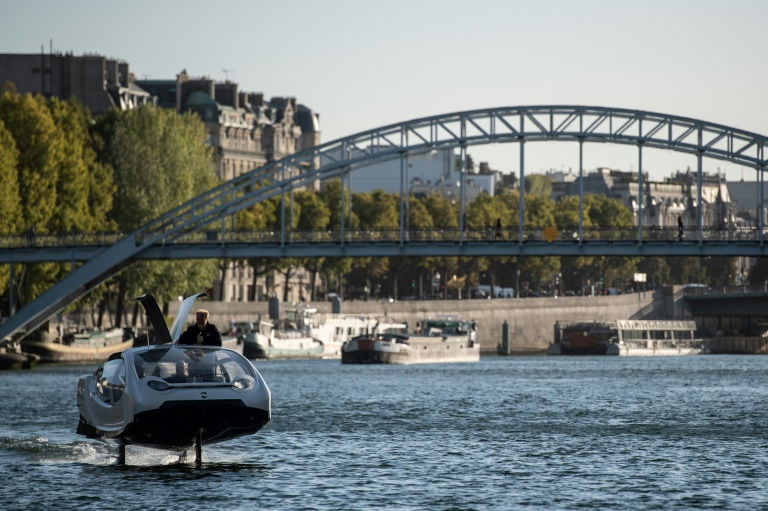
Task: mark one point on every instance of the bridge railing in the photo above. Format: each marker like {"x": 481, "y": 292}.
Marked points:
{"x": 53, "y": 240}
{"x": 484, "y": 234}
{"x": 701, "y": 289}
{"x": 427, "y": 235}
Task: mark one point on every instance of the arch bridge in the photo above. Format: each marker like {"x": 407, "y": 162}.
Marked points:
{"x": 200, "y": 227}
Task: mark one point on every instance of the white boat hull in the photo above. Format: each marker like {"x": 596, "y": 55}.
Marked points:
{"x": 629, "y": 351}
{"x": 418, "y": 350}
{"x": 260, "y": 346}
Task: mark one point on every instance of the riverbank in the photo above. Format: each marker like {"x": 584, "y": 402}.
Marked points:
{"x": 531, "y": 321}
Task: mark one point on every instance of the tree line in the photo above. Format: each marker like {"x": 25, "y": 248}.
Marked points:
{"x": 63, "y": 171}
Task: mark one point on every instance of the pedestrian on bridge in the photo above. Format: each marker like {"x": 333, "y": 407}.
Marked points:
{"x": 679, "y": 228}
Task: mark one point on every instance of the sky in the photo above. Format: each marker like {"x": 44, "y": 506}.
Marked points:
{"x": 362, "y": 64}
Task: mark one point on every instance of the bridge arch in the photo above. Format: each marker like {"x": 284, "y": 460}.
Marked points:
{"x": 453, "y": 130}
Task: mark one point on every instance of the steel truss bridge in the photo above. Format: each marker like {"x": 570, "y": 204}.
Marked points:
{"x": 200, "y": 227}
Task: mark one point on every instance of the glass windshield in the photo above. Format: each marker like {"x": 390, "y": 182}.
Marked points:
{"x": 181, "y": 364}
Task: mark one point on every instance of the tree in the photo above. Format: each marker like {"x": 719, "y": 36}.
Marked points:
{"x": 539, "y": 185}
{"x": 330, "y": 194}
{"x": 376, "y": 211}
{"x": 482, "y": 214}
{"x": 313, "y": 212}
{"x": 10, "y": 204}
{"x": 608, "y": 213}
{"x": 656, "y": 269}
{"x": 73, "y": 212}
{"x": 721, "y": 271}
{"x": 261, "y": 216}
{"x": 444, "y": 213}
{"x": 566, "y": 217}
{"x": 160, "y": 161}
{"x": 40, "y": 150}
{"x": 684, "y": 270}
{"x": 314, "y": 215}
{"x": 419, "y": 219}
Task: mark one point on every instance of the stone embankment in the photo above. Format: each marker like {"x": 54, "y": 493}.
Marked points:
{"x": 531, "y": 320}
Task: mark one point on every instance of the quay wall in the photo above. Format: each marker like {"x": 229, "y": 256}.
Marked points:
{"x": 738, "y": 345}
{"x": 531, "y": 320}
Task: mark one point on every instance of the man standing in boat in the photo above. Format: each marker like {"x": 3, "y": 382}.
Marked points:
{"x": 201, "y": 332}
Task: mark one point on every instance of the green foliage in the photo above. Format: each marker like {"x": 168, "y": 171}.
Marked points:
{"x": 10, "y": 204}
{"x": 509, "y": 201}
{"x": 656, "y": 269}
{"x": 313, "y": 212}
{"x": 685, "y": 270}
{"x": 418, "y": 214}
{"x": 444, "y": 213}
{"x": 539, "y": 185}
{"x": 84, "y": 187}
{"x": 605, "y": 212}
{"x": 377, "y": 210}
{"x": 482, "y": 212}
{"x": 40, "y": 149}
{"x": 160, "y": 161}
{"x": 330, "y": 194}
{"x": 721, "y": 271}
{"x": 566, "y": 214}
{"x": 259, "y": 217}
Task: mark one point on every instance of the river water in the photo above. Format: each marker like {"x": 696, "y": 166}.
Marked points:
{"x": 504, "y": 433}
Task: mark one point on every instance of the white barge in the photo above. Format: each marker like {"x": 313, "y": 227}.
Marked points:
{"x": 627, "y": 337}
{"x": 439, "y": 340}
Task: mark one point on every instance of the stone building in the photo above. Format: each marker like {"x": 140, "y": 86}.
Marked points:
{"x": 663, "y": 202}
{"x": 746, "y": 198}
{"x": 435, "y": 171}
{"x": 98, "y": 82}
{"x": 245, "y": 130}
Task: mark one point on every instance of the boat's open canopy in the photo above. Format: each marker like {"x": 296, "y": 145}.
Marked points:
{"x": 155, "y": 317}
{"x": 177, "y": 363}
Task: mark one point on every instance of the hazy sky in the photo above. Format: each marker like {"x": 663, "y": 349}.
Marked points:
{"x": 366, "y": 63}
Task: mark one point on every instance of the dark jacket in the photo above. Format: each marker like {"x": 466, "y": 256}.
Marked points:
{"x": 211, "y": 335}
